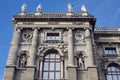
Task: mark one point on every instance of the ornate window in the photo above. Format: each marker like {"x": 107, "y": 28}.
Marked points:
{"x": 113, "y": 72}
{"x": 52, "y": 66}
{"x": 110, "y": 51}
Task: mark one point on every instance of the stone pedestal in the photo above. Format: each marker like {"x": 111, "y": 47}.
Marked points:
{"x": 92, "y": 73}
{"x": 30, "y": 73}
{"x": 72, "y": 73}
{"x": 9, "y": 73}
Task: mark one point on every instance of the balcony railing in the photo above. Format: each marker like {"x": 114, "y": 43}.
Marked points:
{"x": 51, "y": 14}
{"x": 107, "y": 29}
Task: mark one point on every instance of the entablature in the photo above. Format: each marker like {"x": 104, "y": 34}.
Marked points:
{"x": 47, "y": 26}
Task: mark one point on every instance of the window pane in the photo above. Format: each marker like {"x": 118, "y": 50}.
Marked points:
{"x": 57, "y": 75}
{"x": 114, "y": 77}
{"x": 52, "y": 55}
{"x": 45, "y": 75}
{"x": 45, "y": 66}
{"x": 47, "y": 56}
{"x": 51, "y": 66}
{"x": 51, "y": 75}
{"x": 57, "y": 56}
{"x": 57, "y": 66}
{"x": 109, "y": 77}
{"x": 119, "y": 77}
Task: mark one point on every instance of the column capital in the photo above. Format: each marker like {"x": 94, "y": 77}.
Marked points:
{"x": 68, "y": 28}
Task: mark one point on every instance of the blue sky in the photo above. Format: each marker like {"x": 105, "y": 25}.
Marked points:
{"x": 107, "y": 13}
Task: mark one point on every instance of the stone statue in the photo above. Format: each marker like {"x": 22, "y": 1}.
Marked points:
{"x": 83, "y": 8}
{"x": 80, "y": 59}
{"x": 23, "y": 7}
{"x": 23, "y": 61}
{"x": 38, "y": 9}
{"x": 70, "y": 7}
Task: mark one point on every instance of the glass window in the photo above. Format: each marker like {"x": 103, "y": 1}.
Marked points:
{"x": 51, "y": 66}
{"x": 53, "y": 36}
{"x": 110, "y": 50}
{"x": 113, "y": 72}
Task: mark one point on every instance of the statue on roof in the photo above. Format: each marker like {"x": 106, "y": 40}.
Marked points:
{"x": 23, "y": 7}
{"x": 70, "y": 7}
{"x": 39, "y": 7}
{"x": 83, "y": 8}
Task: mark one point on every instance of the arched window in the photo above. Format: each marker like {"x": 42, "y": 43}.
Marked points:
{"x": 52, "y": 66}
{"x": 113, "y": 72}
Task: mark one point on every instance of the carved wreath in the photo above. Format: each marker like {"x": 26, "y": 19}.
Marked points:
{"x": 27, "y": 35}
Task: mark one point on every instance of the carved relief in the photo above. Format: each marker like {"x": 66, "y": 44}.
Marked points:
{"x": 61, "y": 47}
{"x": 64, "y": 49}
{"x": 79, "y": 36}
{"x": 27, "y": 35}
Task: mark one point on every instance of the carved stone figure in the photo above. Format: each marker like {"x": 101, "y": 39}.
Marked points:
{"x": 70, "y": 7}
{"x": 83, "y": 8}
{"x": 80, "y": 59}
{"x": 23, "y": 61}
{"x": 38, "y": 9}
{"x": 23, "y": 7}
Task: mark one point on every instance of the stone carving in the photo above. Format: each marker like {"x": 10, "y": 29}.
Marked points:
{"x": 23, "y": 7}
{"x": 70, "y": 7}
{"x": 83, "y": 8}
{"x": 27, "y": 35}
{"x": 23, "y": 59}
{"x": 79, "y": 36}
{"x": 80, "y": 59}
{"x": 39, "y": 7}
{"x": 64, "y": 49}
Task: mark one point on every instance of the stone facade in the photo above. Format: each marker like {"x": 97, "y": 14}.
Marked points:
{"x": 80, "y": 45}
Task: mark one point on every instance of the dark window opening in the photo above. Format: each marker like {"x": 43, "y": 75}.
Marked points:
{"x": 53, "y": 36}
{"x": 110, "y": 50}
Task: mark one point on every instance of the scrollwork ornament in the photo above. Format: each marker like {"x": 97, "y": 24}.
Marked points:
{"x": 27, "y": 35}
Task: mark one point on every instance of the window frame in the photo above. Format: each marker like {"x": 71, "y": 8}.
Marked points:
{"x": 113, "y": 70}
{"x": 55, "y": 60}
{"x": 110, "y": 51}
{"x": 53, "y": 38}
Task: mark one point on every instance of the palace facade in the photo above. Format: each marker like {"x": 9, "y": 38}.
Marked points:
{"x": 62, "y": 46}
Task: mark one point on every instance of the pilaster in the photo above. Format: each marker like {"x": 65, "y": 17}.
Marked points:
{"x": 32, "y": 50}
{"x": 89, "y": 49}
{"x": 70, "y": 48}
{"x": 11, "y": 62}
{"x": 14, "y": 47}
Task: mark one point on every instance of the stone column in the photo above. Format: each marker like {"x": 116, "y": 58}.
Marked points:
{"x": 14, "y": 47}
{"x": 89, "y": 50}
{"x": 70, "y": 48}
{"x": 32, "y": 51}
